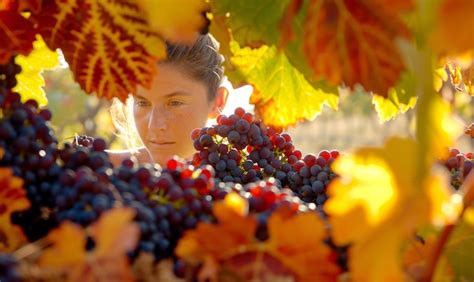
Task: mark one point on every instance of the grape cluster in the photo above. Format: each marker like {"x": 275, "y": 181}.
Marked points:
{"x": 78, "y": 183}
{"x": 30, "y": 149}
{"x": 311, "y": 176}
{"x": 242, "y": 150}
{"x": 460, "y": 165}
{"x": 168, "y": 201}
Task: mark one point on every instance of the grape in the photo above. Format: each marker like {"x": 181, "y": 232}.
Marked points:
{"x": 460, "y": 165}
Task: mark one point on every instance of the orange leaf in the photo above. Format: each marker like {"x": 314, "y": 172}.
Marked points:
{"x": 353, "y": 41}
{"x": 12, "y": 198}
{"x": 68, "y": 250}
{"x": 297, "y": 241}
{"x": 114, "y": 235}
{"x": 229, "y": 249}
{"x": 454, "y": 27}
{"x": 107, "y": 44}
{"x": 219, "y": 240}
{"x": 16, "y": 35}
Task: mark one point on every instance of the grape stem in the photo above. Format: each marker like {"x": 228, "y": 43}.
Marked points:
{"x": 467, "y": 190}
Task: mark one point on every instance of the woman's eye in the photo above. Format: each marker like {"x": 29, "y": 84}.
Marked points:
{"x": 175, "y": 103}
{"x": 142, "y": 103}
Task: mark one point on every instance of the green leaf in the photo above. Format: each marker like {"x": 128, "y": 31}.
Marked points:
{"x": 282, "y": 95}
{"x": 253, "y": 23}
{"x": 400, "y": 99}
{"x": 459, "y": 251}
{"x": 30, "y": 82}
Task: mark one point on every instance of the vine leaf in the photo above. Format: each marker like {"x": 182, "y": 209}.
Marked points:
{"x": 178, "y": 20}
{"x": 452, "y": 35}
{"x": 351, "y": 42}
{"x": 282, "y": 96}
{"x": 114, "y": 235}
{"x": 400, "y": 99}
{"x": 379, "y": 201}
{"x": 108, "y": 44}
{"x": 12, "y": 198}
{"x": 252, "y": 23}
{"x": 30, "y": 80}
{"x": 230, "y": 249}
{"x": 16, "y": 35}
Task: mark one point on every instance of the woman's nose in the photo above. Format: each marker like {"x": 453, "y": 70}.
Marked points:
{"x": 158, "y": 119}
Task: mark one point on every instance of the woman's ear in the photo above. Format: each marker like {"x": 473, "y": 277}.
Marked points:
{"x": 219, "y": 102}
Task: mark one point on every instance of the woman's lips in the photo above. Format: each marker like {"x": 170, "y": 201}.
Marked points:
{"x": 162, "y": 144}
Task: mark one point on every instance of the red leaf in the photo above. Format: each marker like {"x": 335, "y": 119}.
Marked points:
{"x": 107, "y": 44}
{"x": 16, "y": 35}
{"x": 353, "y": 41}
{"x": 33, "y": 6}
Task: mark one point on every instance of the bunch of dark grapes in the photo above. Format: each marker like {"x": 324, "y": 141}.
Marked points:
{"x": 242, "y": 150}
{"x": 460, "y": 165}
{"x": 311, "y": 176}
{"x": 168, "y": 201}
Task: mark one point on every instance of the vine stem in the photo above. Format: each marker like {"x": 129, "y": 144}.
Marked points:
{"x": 467, "y": 190}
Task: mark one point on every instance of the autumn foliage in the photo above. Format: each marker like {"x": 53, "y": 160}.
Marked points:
{"x": 392, "y": 214}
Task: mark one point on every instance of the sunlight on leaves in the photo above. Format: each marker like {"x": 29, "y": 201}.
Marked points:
{"x": 282, "y": 96}
{"x": 176, "y": 20}
{"x": 111, "y": 49}
{"x": 353, "y": 42}
{"x": 30, "y": 81}
{"x": 400, "y": 99}
{"x": 379, "y": 201}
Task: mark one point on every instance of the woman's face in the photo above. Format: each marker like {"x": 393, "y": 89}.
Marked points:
{"x": 166, "y": 114}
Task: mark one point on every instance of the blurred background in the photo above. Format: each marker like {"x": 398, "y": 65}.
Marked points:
{"x": 355, "y": 124}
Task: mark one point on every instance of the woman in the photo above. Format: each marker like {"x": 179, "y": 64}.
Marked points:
{"x": 185, "y": 92}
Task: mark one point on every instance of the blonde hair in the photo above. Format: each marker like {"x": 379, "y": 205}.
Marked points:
{"x": 200, "y": 61}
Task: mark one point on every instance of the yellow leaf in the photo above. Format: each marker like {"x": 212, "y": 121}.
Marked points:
{"x": 176, "y": 20}
{"x": 30, "y": 82}
{"x": 282, "y": 95}
{"x": 439, "y": 78}
{"x": 379, "y": 201}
